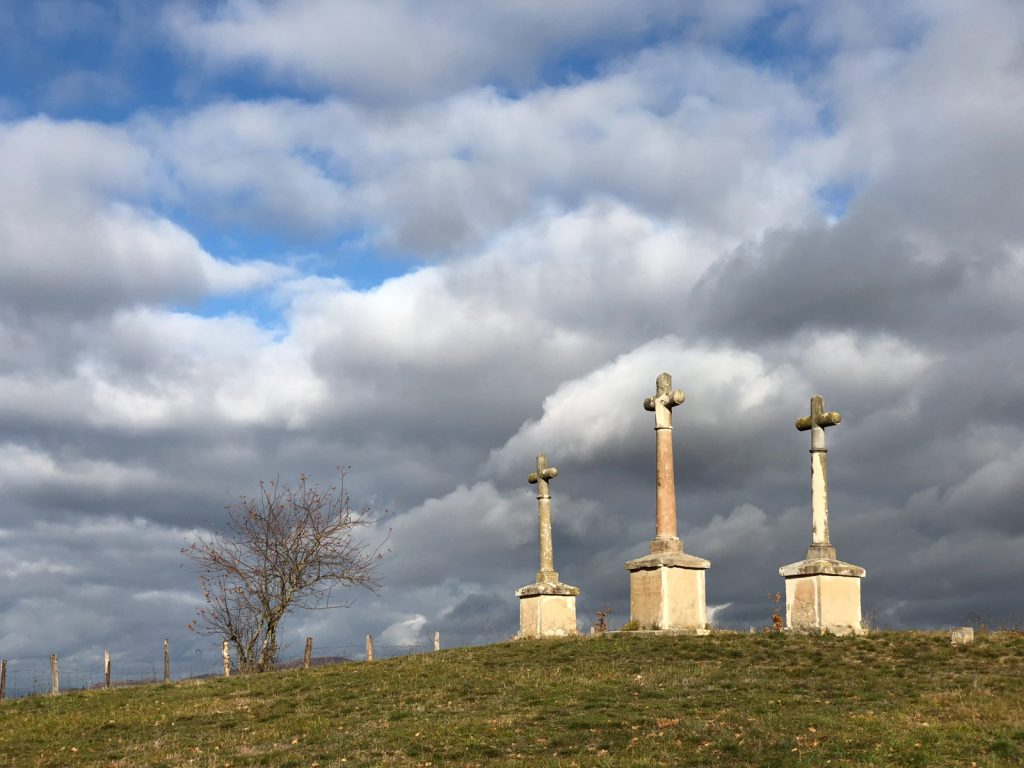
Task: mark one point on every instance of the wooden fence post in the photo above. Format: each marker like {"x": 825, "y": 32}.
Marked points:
{"x": 437, "y": 641}
{"x": 3, "y": 679}
{"x": 167, "y": 662}
{"x": 369, "y": 647}
{"x": 54, "y": 676}
{"x": 307, "y": 657}
{"x": 227, "y": 659}
{"x": 106, "y": 669}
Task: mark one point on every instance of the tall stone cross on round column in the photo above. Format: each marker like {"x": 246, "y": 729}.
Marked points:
{"x": 666, "y": 587}
{"x": 547, "y": 608}
{"x": 547, "y": 573}
{"x": 666, "y": 538}
{"x": 819, "y": 419}
{"x": 822, "y": 592}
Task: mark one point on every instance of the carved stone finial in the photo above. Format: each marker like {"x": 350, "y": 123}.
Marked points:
{"x": 542, "y": 475}
{"x": 663, "y": 401}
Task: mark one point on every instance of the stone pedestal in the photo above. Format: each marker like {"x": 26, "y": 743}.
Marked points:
{"x": 666, "y": 591}
{"x": 547, "y": 610}
{"x": 823, "y": 595}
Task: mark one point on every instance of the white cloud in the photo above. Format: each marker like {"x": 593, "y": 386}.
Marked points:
{"x": 403, "y": 633}
{"x": 78, "y": 234}
{"x": 24, "y": 467}
{"x": 687, "y": 135}
{"x": 883, "y": 363}
{"x": 387, "y": 52}
{"x": 18, "y": 569}
{"x": 492, "y": 525}
{"x": 587, "y": 416}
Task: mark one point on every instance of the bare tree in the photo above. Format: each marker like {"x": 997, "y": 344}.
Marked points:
{"x": 284, "y": 549}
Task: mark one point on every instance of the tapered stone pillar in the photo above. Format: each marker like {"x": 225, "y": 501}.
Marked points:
{"x": 547, "y": 608}
{"x": 822, "y": 592}
{"x": 666, "y": 587}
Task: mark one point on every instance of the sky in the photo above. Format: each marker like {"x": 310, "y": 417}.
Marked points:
{"x": 243, "y": 240}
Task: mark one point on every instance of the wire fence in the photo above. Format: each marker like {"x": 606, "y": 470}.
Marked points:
{"x": 35, "y": 675}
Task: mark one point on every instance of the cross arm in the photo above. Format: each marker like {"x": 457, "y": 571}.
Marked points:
{"x": 672, "y": 399}
{"x": 545, "y": 474}
{"x": 829, "y": 419}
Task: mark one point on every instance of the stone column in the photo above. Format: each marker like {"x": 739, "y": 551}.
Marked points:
{"x": 816, "y": 423}
{"x": 666, "y": 538}
{"x": 822, "y": 592}
{"x": 547, "y": 573}
{"x": 547, "y": 608}
{"x": 667, "y": 589}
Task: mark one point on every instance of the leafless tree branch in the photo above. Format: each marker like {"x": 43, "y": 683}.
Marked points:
{"x": 284, "y": 549}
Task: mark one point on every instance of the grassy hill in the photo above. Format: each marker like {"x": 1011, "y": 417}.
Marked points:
{"x": 891, "y": 699}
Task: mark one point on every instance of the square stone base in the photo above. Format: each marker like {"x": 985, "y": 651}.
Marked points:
{"x": 547, "y": 616}
{"x": 668, "y": 597}
{"x": 824, "y": 602}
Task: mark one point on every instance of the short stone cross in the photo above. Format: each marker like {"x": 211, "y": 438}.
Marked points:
{"x": 816, "y": 423}
{"x": 822, "y": 592}
{"x": 662, "y": 402}
{"x": 547, "y": 608}
{"x": 547, "y": 573}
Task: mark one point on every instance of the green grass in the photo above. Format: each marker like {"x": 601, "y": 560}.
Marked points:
{"x": 890, "y": 699}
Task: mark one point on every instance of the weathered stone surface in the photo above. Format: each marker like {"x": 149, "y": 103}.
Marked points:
{"x": 824, "y": 602}
{"x": 821, "y": 552}
{"x": 666, "y": 545}
{"x": 669, "y": 598}
{"x": 821, "y": 565}
{"x": 547, "y": 615}
{"x": 962, "y": 635}
{"x": 672, "y": 559}
{"x": 545, "y": 588}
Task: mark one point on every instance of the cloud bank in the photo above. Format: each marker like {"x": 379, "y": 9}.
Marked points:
{"x": 462, "y": 239}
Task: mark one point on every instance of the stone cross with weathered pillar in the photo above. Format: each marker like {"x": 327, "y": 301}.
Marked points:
{"x": 822, "y": 592}
{"x": 666, "y": 537}
{"x": 547, "y": 608}
{"x": 817, "y": 422}
{"x": 666, "y": 587}
{"x": 547, "y": 573}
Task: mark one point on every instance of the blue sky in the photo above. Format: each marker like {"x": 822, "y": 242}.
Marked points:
{"x": 243, "y": 239}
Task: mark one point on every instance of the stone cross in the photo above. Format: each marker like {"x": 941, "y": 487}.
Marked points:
{"x": 547, "y": 573}
{"x": 662, "y": 402}
{"x": 816, "y": 423}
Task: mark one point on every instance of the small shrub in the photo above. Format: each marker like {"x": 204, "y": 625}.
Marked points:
{"x": 776, "y": 616}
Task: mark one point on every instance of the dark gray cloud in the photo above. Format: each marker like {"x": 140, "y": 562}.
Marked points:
{"x": 860, "y": 275}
